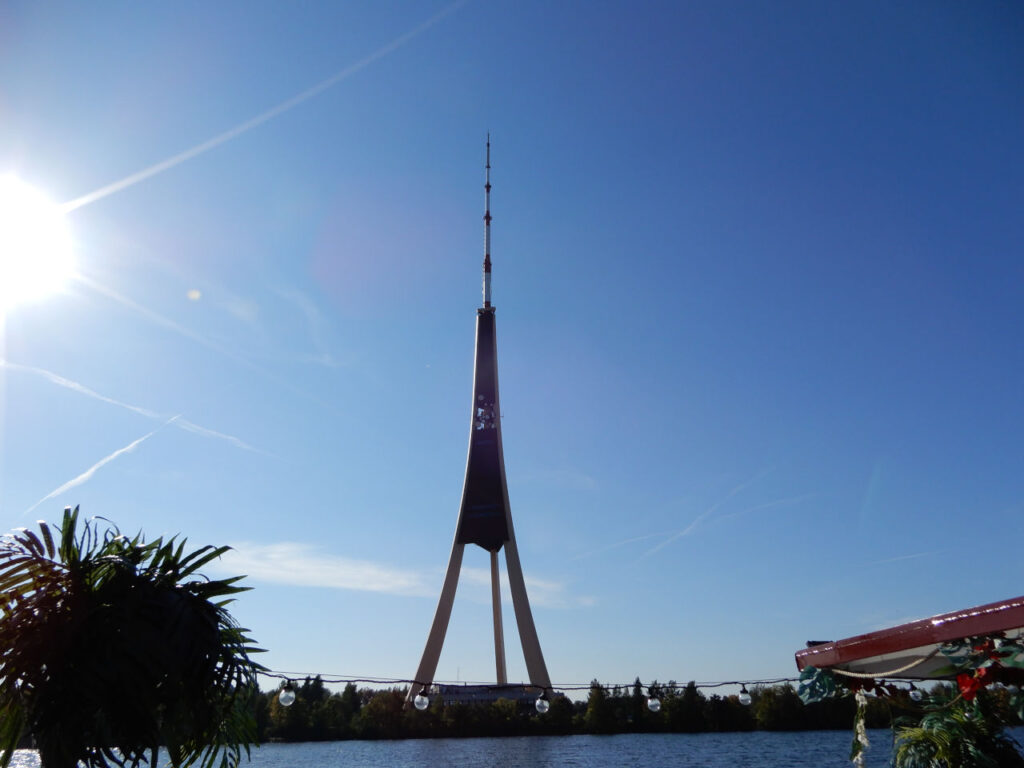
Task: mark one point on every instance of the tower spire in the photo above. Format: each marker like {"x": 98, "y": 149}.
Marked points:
{"x": 487, "y": 226}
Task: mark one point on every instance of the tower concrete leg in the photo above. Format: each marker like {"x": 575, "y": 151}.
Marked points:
{"x": 435, "y": 640}
{"x": 499, "y": 636}
{"x": 535, "y": 666}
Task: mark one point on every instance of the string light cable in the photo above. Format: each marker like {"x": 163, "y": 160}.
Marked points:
{"x": 421, "y": 701}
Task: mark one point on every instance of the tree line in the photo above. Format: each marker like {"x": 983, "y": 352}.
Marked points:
{"x": 363, "y": 713}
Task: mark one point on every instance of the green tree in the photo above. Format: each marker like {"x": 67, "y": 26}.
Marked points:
{"x": 313, "y": 690}
{"x": 600, "y": 717}
{"x": 457, "y": 719}
{"x": 291, "y": 723}
{"x": 559, "y": 719}
{"x": 261, "y": 711}
{"x": 504, "y": 718}
{"x": 111, "y": 646}
{"x": 778, "y": 708}
{"x": 727, "y": 714}
{"x": 685, "y": 711}
{"x": 350, "y": 702}
{"x": 382, "y": 716}
{"x": 335, "y": 721}
{"x": 637, "y": 706}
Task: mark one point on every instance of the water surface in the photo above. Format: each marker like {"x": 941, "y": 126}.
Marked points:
{"x": 810, "y": 749}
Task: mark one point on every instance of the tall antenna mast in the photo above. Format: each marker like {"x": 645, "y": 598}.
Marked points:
{"x": 487, "y": 226}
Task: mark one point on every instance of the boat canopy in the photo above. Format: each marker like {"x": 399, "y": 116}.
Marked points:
{"x": 911, "y": 651}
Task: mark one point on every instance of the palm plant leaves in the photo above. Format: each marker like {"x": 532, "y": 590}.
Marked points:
{"x": 111, "y": 646}
{"x": 958, "y": 735}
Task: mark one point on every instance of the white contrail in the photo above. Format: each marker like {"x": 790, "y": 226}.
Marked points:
{"x": 60, "y": 381}
{"x": 704, "y": 515}
{"x": 622, "y": 543}
{"x": 189, "y": 426}
{"x": 76, "y": 481}
{"x": 684, "y": 532}
{"x": 314, "y": 324}
{"x": 248, "y": 125}
{"x": 158, "y": 319}
{"x": 769, "y": 505}
{"x": 900, "y": 558}
{"x": 170, "y": 325}
{"x": 74, "y": 386}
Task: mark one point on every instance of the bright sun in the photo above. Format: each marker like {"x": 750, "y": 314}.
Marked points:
{"x": 36, "y": 254}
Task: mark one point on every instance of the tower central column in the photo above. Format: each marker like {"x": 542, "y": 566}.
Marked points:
{"x": 499, "y": 635}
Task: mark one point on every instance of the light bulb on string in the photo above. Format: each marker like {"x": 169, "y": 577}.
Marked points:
{"x": 744, "y": 696}
{"x": 287, "y": 696}
{"x": 422, "y": 700}
{"x": 542, "y": 704}
{"x": 653, "y": 702}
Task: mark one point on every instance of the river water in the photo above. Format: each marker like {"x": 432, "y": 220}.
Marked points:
{"x": 804, "y": 749}
{"x": 810, "y": 749}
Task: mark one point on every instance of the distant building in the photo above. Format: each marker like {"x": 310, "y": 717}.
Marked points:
{"x": 485, "y": 694}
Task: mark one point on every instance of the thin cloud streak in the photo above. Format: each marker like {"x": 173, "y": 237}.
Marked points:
{"x": 769, "y": 505}
{"x": 704, "y": 515}
{"x": 901, "y": 558}
{"x": 693, "y": 526}
{"x": 199, "y": 338}
{"x": 301, "y": 565}
{"x": 683, "y": 533}
{"x": 304, "y": 565}
{"x": 541, "y": 593}
{"x": 162, "y": 321}
{"x": 618, "y": 544}
{"x": 314, "y": 324}
{"x": 189, "y": 426}
{"x": 74, "y": 386}
{"x": 270, "y": 114}
{"x": 76, "y": 481}
{"x": 179, "y": 422}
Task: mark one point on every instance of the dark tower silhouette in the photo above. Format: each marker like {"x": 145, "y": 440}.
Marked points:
{"x": 485, "y": 517}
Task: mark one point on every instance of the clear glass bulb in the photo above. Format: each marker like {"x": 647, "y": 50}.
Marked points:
{"x": 654, "y": 704}
{"x": 287, "y": 696}
{"x": 744, "y": 697}
{"x": 542, "y": 704}
{"x": 421, "y": 702}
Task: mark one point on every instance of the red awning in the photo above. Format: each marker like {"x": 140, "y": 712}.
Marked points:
{"x": 909, "y": 650}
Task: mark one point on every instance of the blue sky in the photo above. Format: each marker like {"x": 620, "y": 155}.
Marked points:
{"x": 758, "y": 282}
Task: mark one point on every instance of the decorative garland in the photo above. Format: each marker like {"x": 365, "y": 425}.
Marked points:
{"x": 974, "y": 663}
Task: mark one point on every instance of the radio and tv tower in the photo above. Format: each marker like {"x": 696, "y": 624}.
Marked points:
{"x": 485, "y": 517}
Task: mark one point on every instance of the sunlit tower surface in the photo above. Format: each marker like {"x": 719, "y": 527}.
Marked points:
{"x": 485, "y": 517}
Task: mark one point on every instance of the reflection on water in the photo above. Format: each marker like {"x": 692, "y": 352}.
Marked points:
{"x": 705, "y": 750}
{"x": 25, "y": 758}
{"x": 808, "y": 749}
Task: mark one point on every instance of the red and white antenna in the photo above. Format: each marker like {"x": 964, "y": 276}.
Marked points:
{"x": 487, "y": 226}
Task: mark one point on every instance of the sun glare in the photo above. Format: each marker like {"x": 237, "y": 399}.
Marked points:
{"x": 36, "y": 254}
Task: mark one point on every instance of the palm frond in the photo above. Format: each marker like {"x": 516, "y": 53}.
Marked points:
{"x": 113, "y": 645}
